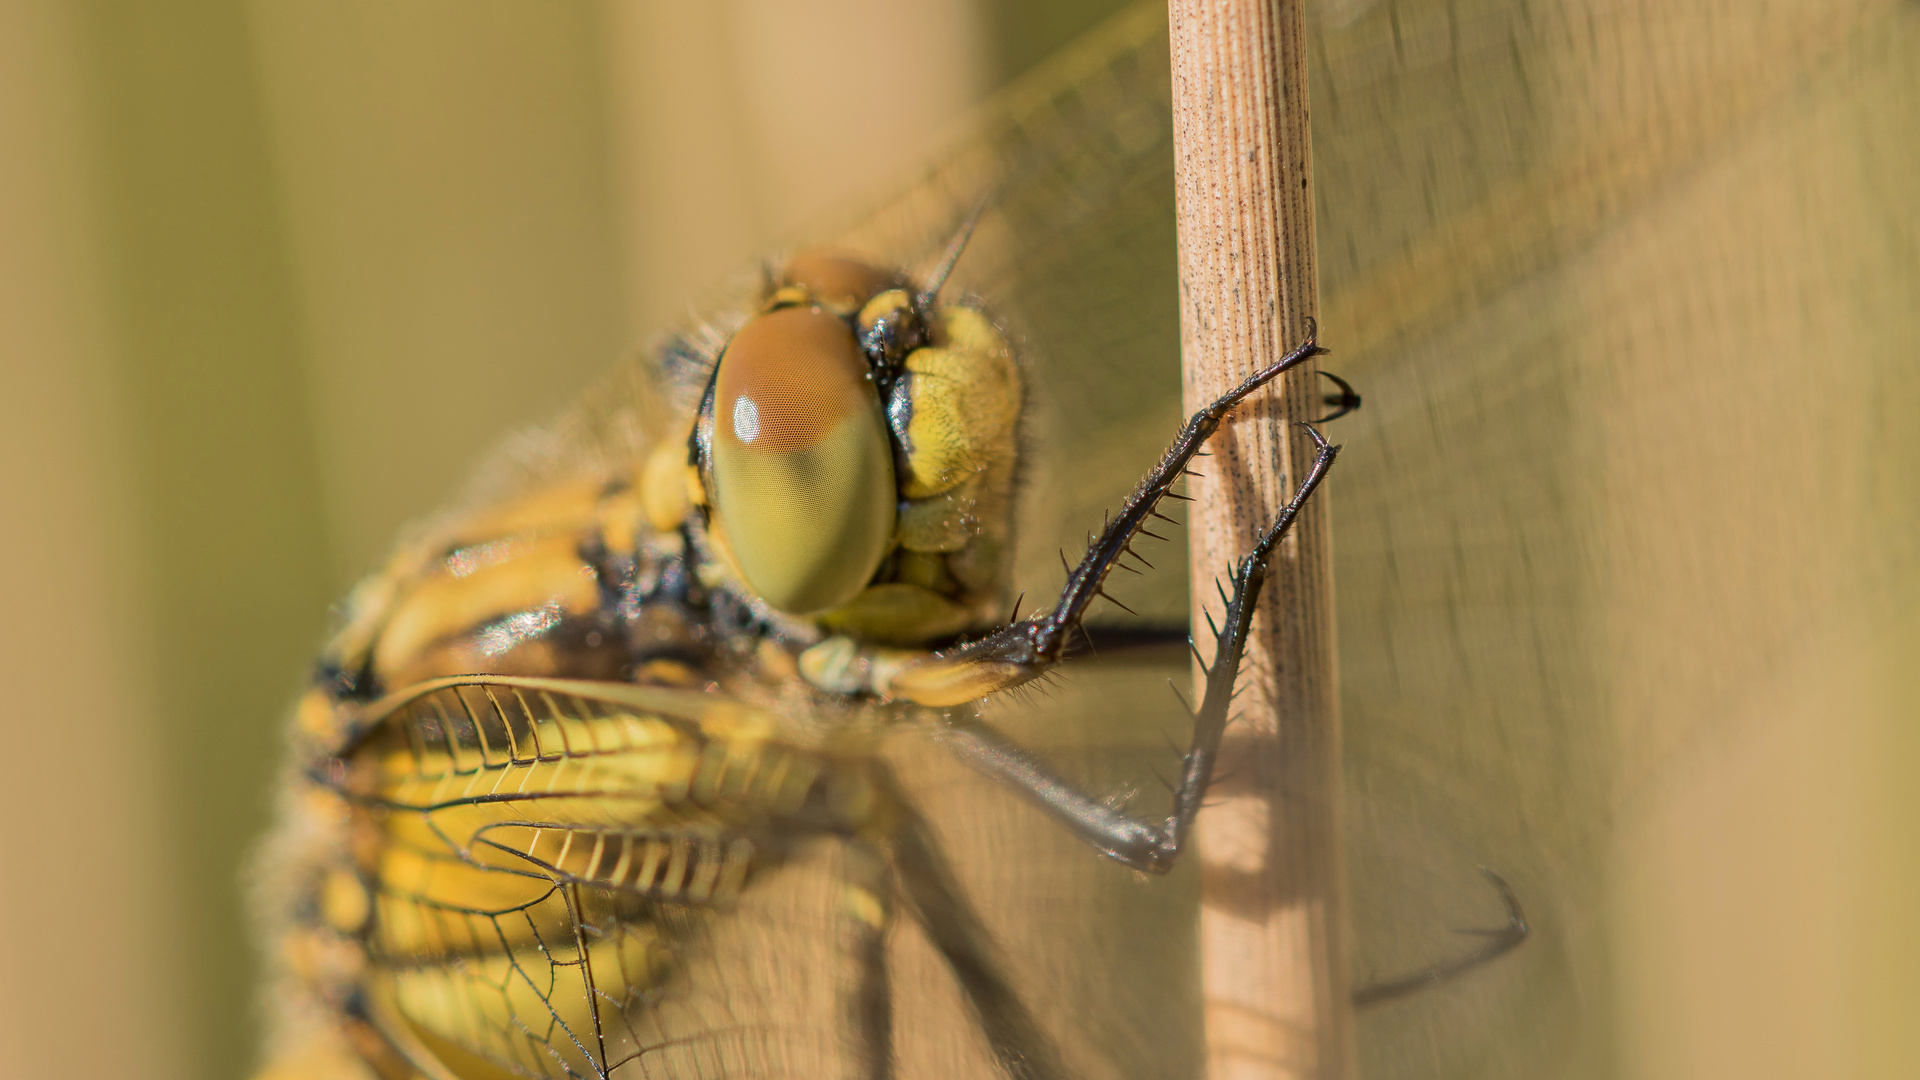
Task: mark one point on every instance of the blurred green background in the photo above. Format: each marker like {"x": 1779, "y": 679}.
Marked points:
{"x": 273, "y": 273}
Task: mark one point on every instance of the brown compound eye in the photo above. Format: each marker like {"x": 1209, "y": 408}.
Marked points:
{"x": 802, "y": 469}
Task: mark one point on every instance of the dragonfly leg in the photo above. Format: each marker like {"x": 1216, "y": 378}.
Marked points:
{"x": 868, "y": 911}
{"x": 957, "y": 933}
{"x": 1145, "y": 845}
{"x": 1026, "y": 649}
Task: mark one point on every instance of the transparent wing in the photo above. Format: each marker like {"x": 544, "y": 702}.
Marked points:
{"x": 574, "y": 882}
{"x": 1610, "y": 281}
{"x": 1628, "y": 291}
{"x": 573, "y": 885}
{"x": 1073, "y": 167}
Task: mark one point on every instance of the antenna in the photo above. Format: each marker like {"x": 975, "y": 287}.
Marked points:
{"x": 955, "y": 248}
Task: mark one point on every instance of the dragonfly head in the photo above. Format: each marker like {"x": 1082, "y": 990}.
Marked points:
{"x": 852, "y": 459}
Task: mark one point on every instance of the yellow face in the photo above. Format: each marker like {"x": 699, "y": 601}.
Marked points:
{"x": 854, "y": 455}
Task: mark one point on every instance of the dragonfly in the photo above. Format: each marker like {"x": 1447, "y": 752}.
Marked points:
{"x": 1481, "y": 689}
{"x": 595, "y": 778}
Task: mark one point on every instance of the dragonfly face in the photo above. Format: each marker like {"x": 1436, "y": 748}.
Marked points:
{"x": 853, "y": 455}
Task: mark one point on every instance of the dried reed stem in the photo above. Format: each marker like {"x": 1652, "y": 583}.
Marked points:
{"x": 1273, "y": 922}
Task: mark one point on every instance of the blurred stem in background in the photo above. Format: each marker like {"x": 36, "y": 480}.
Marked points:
{"x": 226, "y": 553}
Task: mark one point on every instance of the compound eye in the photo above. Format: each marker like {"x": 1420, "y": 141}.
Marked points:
{"x": 802, "y": 469}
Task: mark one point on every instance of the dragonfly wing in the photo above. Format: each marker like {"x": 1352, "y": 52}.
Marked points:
{"x": 1600, "y": 492}
{"x": 575, "y": 879}
{"x": 1578, "y": 262}
{"x": 1596, "y": 512}
{"x": 1072, "y": 168}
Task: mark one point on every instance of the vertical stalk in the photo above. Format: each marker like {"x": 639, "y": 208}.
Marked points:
{"x": 1273, "y": 920}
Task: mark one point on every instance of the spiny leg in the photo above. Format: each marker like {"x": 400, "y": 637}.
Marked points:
{"x": 928, "y": 882}
{"x": 1026, "y": 649}
{"x": 1145, "y": 845}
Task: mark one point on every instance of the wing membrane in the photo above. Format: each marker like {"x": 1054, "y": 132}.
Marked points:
{"x": 1560, "y": 246}
{"x": 1566, "y": 254}
{"x": 580, "y": 879}
{"x": 1617, "y": 284}
{"x": 1074, "y": 165}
